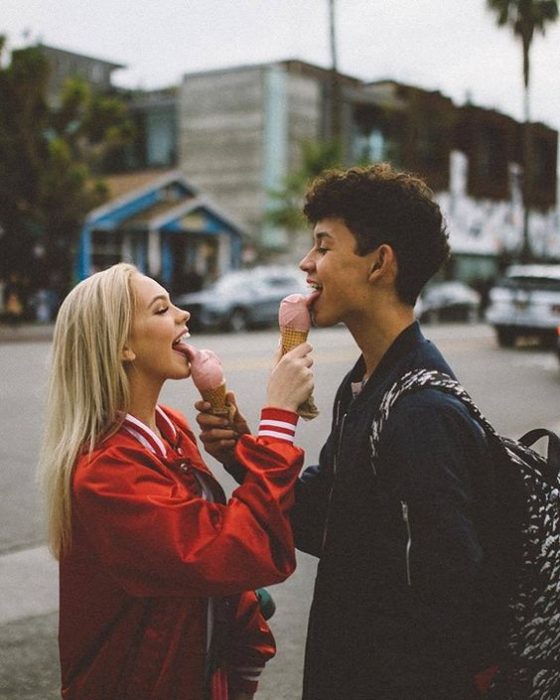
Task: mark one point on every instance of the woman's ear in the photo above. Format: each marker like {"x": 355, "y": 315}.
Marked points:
{"x": 128, "y": 354}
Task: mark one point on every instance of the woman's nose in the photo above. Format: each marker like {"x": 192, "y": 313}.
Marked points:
{"x": 183, "y": 315}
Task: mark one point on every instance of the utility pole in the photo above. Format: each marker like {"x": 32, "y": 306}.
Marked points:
{"x": 527, "y": 182}
{"x": 335, "y": 120}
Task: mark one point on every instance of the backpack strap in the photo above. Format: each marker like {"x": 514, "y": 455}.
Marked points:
{"x": 422, "y": 378}
{"x": 414, "y": 381}
{"x": 553, "y": 452}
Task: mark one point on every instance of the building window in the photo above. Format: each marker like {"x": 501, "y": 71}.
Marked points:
{"x": 491, "y": 153}
{"x": 107, "y": 249}
{"x": 96, "y": 73}
{"x": 369, "y": 147}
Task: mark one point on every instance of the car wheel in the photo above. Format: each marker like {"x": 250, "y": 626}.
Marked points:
{"x": 506, "y": 336}
{"x": 238, "y": 321}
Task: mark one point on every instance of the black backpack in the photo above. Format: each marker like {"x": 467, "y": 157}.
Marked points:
{"x": 524, "y": 638}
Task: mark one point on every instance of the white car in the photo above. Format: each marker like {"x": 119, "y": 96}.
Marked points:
{"x": 526, "y": 302}
{"x": 243, "y": 299}
{"x": 448, "y": 301}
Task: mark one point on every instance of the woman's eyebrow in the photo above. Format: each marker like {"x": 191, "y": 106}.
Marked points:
{"x": 159, "y": 297}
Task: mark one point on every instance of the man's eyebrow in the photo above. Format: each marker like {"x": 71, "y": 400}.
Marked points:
{"x": 159, "y": 297}
{"x": 323, "y": 234}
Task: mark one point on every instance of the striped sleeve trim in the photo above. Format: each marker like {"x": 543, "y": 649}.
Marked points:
{"x": 249, "y": 673}
{"x": 278, "y": 424}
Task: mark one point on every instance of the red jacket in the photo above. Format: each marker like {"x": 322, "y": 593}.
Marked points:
{"x": 160, "y": 567}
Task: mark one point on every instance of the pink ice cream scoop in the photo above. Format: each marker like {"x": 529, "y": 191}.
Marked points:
{"x": 206, "y": 369}
{"x": 294, "y": 313}
{"x": 208, "y": 376}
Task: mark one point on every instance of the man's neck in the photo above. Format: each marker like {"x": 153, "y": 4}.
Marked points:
{"x": 375, "y": 335}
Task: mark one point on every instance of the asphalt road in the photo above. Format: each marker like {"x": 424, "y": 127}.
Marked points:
{"x": 516, "y": 389}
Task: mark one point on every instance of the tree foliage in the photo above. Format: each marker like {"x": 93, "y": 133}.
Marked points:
{"x": 286, "y": 210}
{"x": 49, "y": 157}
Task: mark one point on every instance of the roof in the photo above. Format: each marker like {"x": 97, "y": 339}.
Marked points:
{"x": 150, "y": 202}
{"x": 66, "y": 52}
{"x": 125, "y": 183}
{"x": 292, "y": 65}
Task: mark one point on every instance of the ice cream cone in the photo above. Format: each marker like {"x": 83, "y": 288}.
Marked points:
{"x": 217, "y": 399}
{"x": 291, "y": 338}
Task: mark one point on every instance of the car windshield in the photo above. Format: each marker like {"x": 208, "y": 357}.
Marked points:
{"x": 236, "y": 282}
{"x": 530, "y": 283}
{"x": 229, "y": 284}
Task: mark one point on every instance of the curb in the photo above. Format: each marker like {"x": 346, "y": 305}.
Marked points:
{"x": 26, "y": 333}
{"x": 30, "y": 579}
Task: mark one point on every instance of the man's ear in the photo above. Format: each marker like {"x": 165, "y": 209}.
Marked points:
{"x": 128, "y": 354}
{"x": 384, "y": 259}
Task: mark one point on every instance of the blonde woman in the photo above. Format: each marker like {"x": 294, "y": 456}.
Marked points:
{"x": 157, "y": 571}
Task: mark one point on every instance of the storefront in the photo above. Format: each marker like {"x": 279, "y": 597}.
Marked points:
{"x": 168, "y": 229}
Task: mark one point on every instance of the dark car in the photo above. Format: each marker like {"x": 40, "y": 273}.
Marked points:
{"x": 242, "y": 299}
{"x": 448, "y": 301}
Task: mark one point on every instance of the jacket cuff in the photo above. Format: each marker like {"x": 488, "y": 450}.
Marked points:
{"x": 245, "y": 679}
{"x": 278, "y": 424}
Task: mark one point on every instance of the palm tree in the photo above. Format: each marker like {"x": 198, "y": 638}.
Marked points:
{"x": 525, "y": 17}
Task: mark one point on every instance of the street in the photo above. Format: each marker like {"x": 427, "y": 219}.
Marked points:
{"x": 517, "y": 389}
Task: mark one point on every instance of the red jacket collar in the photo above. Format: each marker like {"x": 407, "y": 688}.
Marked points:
{"x": 147, "y": 437}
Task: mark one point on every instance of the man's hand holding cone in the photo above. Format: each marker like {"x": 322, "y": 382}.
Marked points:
{"x": 295, "y": 321}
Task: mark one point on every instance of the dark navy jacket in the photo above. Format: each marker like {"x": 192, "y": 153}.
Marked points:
{"x": 402, "y": 552}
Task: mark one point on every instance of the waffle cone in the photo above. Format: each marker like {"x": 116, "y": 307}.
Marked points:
{"x": 291, "y": 338}
{"x": 217, "y": 399}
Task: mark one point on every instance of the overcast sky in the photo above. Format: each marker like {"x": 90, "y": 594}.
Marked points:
{"x": 447, "y": 45}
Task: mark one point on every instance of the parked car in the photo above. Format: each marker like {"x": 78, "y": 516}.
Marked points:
{"x": 243, "y": 298}
{"x": 526, "y": 302}
{"x": 448, "y": 301}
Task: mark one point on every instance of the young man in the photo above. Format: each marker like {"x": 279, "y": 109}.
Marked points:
{"x": 401, "y": 542}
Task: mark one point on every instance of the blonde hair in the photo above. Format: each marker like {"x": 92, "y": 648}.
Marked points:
{"x": 88, "y": 388}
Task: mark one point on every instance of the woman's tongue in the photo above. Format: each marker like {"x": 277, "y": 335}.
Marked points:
{"x": 188, "y": 350}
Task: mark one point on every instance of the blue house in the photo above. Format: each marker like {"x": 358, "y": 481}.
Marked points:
{"x": 168, "y": 229}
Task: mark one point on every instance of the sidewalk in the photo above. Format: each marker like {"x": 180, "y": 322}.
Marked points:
{"x": 29, "y": 668}
{"x": 26, "y": 332}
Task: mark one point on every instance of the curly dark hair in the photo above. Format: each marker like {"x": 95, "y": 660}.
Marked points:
{"x": 380, "y": 205}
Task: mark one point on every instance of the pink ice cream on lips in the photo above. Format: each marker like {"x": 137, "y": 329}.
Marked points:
{"x": 206, "y": 369}
{"x": 294, "y": 312}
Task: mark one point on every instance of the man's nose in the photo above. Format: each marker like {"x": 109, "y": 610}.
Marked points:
{"x": 306, "y": 263}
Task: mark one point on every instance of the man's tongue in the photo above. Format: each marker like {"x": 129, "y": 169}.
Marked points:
{"x": 312, "y": 298}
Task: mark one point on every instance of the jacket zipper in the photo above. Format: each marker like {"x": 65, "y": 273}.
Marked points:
{"x": 335, "y": 460}
{"x": 406, "y": 519}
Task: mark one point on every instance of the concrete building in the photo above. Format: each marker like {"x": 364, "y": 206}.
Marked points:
{"x": 236, "y": 134}
{"x": 154, "y": 114}
{"x": 240, "y": 132}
